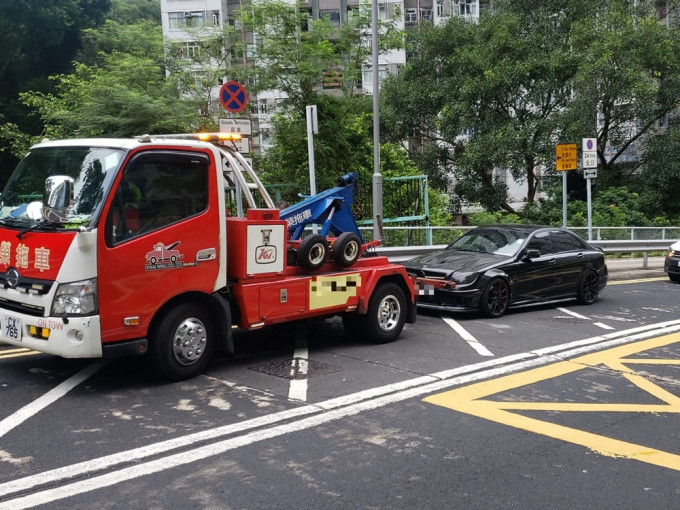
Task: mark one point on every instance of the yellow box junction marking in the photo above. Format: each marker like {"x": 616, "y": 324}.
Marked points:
{"x": 475, "y": 400}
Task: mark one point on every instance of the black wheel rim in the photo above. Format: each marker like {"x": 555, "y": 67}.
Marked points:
{"x": 590, "y": 287}
{"x": 498, "y": 298}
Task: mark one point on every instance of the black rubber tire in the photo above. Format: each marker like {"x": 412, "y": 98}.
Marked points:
{"x": 495, "y": 298}
{"x": 313, "y": 252}
{"x": 674, "y": 277}
{"x": 347, "y": 249}
{"x": 181, "y": 343}
{"x": 586, "y": 293}
{"x": 384, "y": 319}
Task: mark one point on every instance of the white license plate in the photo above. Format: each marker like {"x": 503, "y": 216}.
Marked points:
{"x": 11, "y": 327}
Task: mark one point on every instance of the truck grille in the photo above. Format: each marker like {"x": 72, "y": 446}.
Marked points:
{"x": 37, "y": 311}
{"x": 29, "y": 285}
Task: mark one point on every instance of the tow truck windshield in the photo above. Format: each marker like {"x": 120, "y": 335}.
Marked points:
{"x": 87, "y": 171}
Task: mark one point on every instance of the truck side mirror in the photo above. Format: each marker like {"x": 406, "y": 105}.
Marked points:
{"x": 57, "y": 197}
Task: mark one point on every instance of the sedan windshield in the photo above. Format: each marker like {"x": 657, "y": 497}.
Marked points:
{"x": 65, "y": 185}
{"x": 497, "y": 241}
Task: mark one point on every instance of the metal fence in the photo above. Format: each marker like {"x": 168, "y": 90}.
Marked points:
{"x": 418, "y": 236}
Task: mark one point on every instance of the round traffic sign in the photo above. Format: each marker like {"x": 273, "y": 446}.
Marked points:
{"x": 233, "y": 96}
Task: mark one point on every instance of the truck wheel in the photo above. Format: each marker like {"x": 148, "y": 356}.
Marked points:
{"x": 181, "y": 343}
{"x": 346, "y": 249}
{"x": 313, "y": 252}
{"x": 384, "y": 319}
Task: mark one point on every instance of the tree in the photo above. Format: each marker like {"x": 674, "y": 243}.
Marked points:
{"x": 487, "y": 96}
{"x": 38, "y": 39}
{"x": 627, "y": 83}
{"x": 500, "y": 94}
{"x": 293, "y": 54}
{"x": 125, "y": 93}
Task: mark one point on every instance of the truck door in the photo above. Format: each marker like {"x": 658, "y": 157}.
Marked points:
{"x": 160, "y": 238}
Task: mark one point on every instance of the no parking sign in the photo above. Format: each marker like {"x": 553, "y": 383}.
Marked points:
{"x": 233, "y": 97}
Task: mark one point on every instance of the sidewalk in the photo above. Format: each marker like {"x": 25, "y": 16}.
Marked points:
{"x": 632, "y": 268}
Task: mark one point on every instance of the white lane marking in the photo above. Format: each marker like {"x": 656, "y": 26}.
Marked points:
{"x": 465, "y": 335}
{"x": 299, "y": 366}
{"x": 353, "y": 404}
{"x": 54, "y": 394}
{"x": 579, "y": 316}
{"x": 573, "y": 314}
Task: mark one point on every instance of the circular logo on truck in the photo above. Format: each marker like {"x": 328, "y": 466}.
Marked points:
{"x": 12, "y": 278}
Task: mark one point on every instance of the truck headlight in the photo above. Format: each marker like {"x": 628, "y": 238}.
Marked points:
{"x": 76, "y": 298}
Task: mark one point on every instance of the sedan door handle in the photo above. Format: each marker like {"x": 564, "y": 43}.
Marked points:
{"x": 552, "y": 261}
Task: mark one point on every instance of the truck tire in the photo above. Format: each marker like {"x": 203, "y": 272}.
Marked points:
{"x": 313, "y": 252}
{"x": 384, "y": 319}
{"x": 181, "y": 343}
{"x": 347, "y": 249}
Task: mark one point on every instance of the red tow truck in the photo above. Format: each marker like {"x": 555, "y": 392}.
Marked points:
{"x": 125, "y": 246}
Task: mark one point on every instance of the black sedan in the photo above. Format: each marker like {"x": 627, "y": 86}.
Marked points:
{"x": 672, "y": 263}
{"x": 493, "y": 268}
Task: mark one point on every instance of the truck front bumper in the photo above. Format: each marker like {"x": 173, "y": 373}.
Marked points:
{"x": 72, "y": 337}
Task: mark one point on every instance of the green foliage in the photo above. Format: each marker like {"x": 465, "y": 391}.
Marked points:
{"x": 129, "y": 12}
{"x": 293, "y": 54}
{"x": 613, "y": 207}
{"x": 489, "y": 218}
{"x": 125, "y": 94}
{"x": 500, "y": 93}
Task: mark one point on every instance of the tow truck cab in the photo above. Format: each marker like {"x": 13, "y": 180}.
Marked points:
{"x": 119, "y": 246}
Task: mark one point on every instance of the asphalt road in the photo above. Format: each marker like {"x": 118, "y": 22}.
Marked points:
{"x": 560, "y": 406}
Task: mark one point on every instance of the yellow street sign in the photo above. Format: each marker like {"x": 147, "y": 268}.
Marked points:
{"x": 565, "y": 157}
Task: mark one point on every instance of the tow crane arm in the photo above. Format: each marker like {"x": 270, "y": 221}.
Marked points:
{"x": 331, "y": 209}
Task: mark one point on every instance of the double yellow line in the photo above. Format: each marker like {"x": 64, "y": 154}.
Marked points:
{"x": 15, "y": 353}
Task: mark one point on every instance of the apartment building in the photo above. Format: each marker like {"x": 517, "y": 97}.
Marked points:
{"x": 184, "y": 20}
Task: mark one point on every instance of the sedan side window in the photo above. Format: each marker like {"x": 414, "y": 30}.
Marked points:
{"x": 564, "y": 241}
{"x": 541, "y": 242}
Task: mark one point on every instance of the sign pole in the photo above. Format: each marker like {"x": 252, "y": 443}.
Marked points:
{"x": 590, "y": 210}
{"x": 564, "y": 199}
{"x": 589, "y": 172}
{"x": 377, "y": 176}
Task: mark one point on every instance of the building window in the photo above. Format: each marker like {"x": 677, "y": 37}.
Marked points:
{"x": 382, "y": 10}
{"x": 426, "y": 14}
{"x": 467, "y": 7}
{"x": 333, "y": 16}
{"x": 411, "y": 16}
{"x": 382, "y": 73}
{"x": 440, "y": 8}
{"x": 186, "y": 19}
{"x": 216, "y": 18}
{"x": 177, "y": 20}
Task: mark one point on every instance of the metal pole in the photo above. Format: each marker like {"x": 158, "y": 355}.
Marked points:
{"x": 590, "y": 210}
{"x": 564, "y": 199}
{"x": 312, "y": 127}
{"x": 377, "y": 176}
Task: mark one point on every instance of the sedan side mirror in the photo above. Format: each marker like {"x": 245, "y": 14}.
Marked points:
{"x": 533, "y": 254}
